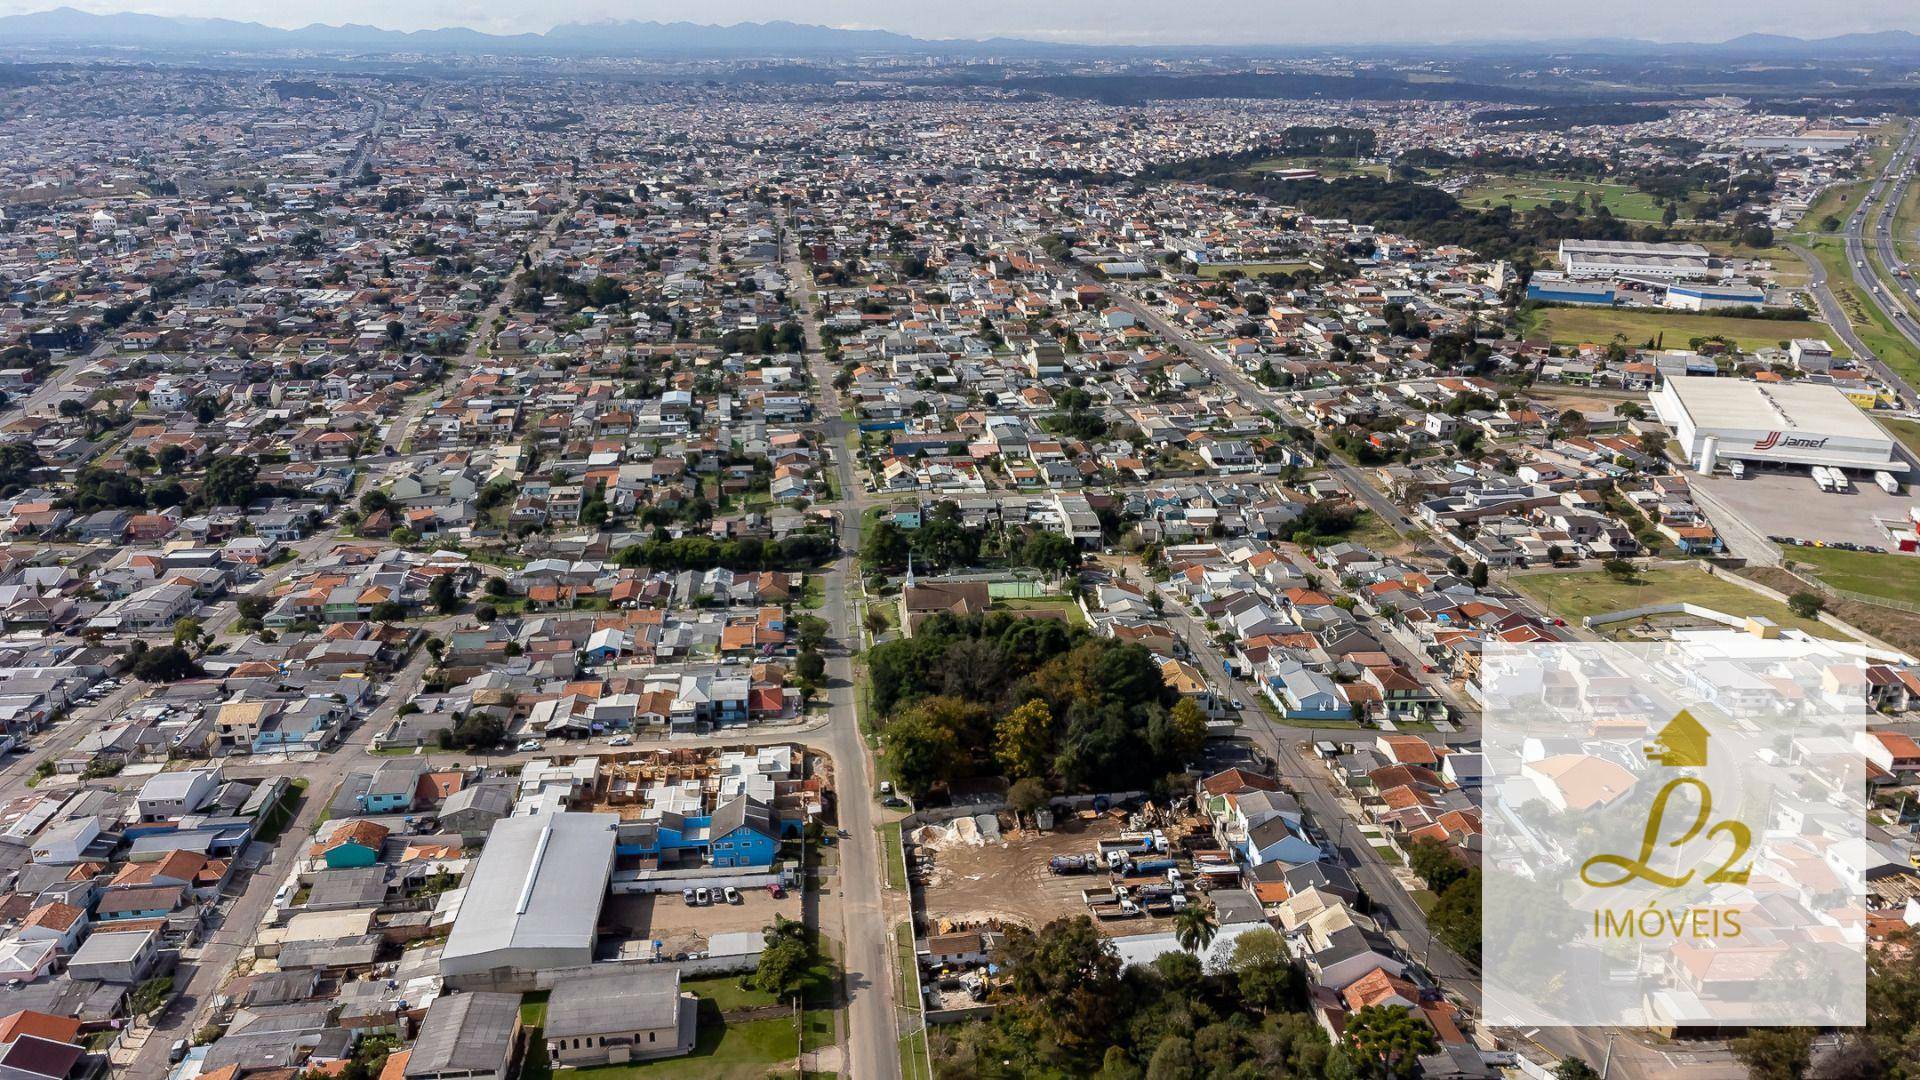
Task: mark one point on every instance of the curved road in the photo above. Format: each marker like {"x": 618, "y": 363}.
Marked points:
{"x": 1872, "y": 223}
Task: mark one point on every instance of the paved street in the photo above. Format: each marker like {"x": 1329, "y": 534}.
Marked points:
{"x": 872, "y": 1034}
{"x": 233, "y": 931}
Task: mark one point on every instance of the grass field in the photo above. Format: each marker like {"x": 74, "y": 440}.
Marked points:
{"x": 1063, "y": 604}
{"x": 896, "y": 859}
{"x": 1868, "y": 320}
{"x": 1372, "y": 531}
{"x": 1252, "y": 269}
{"x": 1896, "y": 577}
{"x": 1906, "y": 223}
{"x": 1595, "y": 592}
{"x": 1907, "y": 431}
{"x": 1598, "y": 325}
{"x": 1527, "y": 192}
{"x": 276, "y": 820}
{"x": 726, "y": 993}
{"x": 721, "y": 1051}
{"x": 1837, "y": 200}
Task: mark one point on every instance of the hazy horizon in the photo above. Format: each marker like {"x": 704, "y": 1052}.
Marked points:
{"x": 1195, "y": 22}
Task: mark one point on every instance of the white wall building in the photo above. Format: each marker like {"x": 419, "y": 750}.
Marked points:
{"x": 1778, "y": 424}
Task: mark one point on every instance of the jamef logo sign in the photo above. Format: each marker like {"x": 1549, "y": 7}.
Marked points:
{"x": 1775, "y": 438}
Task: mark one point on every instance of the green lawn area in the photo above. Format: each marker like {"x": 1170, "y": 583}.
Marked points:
{"x": 913, "y": 1048}
{"x": 895, "y": 856}
{"x": 721, "y": 1051}
{"x": 1896, "y": 577}
{"x": 1371, "y": 530}
{"x": 813, "y": 593}
{"x": 1065, "y": 604}
{"x": 1907, "y": 431}
{"x": 276, "y": 819}
{"x": 727, "y": 994}
{"x": 913, "y": 1055}
{"x": 1906, "y": 222}
{"x": 1598, "y": 325}
{"x": 731, "y": 1051}
{"x": 1594, "y": 592}
{"x": 1868, "y": 320}
{"x": 1425, "y": 899}
{"x": 1528, "y": 192}
{"x": 1836, "y": 200}
{"x": 1252, "y": 269}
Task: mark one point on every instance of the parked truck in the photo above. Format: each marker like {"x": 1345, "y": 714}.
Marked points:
{"x": 1822, "y": 478}
{"x": 1886, "y": 481}
{"x": 1108, "y": 904}
{"x": 1841, "y": 482}
{"x": 1144, "y": 867}
{"x": 1068, "y": 864}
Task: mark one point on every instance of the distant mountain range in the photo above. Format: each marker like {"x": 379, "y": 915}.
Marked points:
{"x": 69, "y": 27}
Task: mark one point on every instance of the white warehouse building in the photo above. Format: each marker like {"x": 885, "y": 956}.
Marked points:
{"x": 1632, "y": 259}
{"x": 533, "y": 902}
{"x": 1773, "y": 424}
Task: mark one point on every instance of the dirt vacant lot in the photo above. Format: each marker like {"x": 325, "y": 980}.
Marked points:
{"x": 1009, "y": 881}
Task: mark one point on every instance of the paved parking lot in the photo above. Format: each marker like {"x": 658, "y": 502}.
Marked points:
{"x": 1789, "y": 504}
{"x": 666, "y": 918}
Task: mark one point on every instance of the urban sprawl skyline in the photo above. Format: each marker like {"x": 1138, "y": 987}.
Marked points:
{"x": 673, "y": 550}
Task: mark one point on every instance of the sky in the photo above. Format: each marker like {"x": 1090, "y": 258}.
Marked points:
{"x": 1120, "y": 22}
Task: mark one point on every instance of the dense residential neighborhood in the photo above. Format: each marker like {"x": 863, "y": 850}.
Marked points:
{"x": 867, "y": 559}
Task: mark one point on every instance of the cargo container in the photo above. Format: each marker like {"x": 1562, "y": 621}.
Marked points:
{"x": 1067, "y": 864}
{"x": 1152, "y": 866}
{"x": 1886, "y": 481}
{"x": 1737, "y": 469}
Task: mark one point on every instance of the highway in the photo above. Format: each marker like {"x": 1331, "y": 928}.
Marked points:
{"x": 1871, "y": 224}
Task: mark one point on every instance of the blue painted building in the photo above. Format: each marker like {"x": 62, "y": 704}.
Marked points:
{"x": 1708, "y": 297}
{"x": 740, "y": 832}
{"x": 1280, "y": 840}
{"x": 391, "y": 789}
{"x": 1569, "y": 292}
